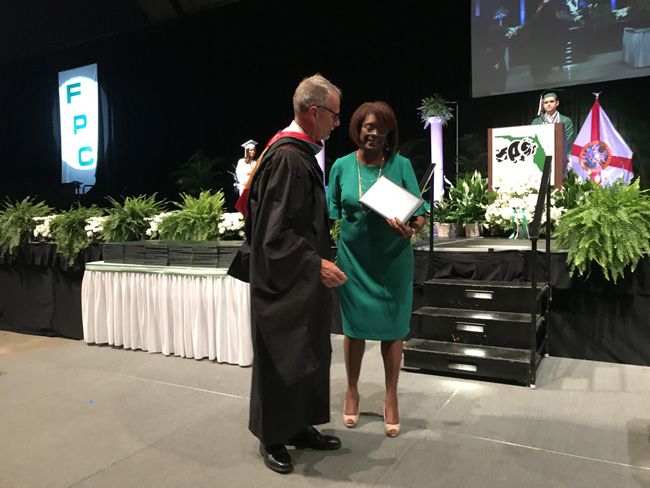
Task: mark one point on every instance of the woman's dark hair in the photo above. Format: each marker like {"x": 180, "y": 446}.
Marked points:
{"x": 386, "y": 120}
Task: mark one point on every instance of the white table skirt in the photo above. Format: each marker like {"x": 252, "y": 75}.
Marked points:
{"x": 636, "y": 47}
{"x": 189, "y": 312}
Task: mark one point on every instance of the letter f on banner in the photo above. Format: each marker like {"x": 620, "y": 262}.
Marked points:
{"x": 70, "y": 93}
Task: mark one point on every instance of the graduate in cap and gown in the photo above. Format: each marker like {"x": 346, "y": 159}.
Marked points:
{"x": 245, "y": 165}
{"x": 547, "y": 113}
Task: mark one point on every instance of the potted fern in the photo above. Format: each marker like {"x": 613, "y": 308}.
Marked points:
{"x": 435, "y": 113}
{"x": 127, "y": 221}
{"x": 610, "y": 228}
{"x": 17, "y": 224}
{"x": 69, "y": 230}
{"x": 435, "y": 107}
{"x": 197, "y": 219}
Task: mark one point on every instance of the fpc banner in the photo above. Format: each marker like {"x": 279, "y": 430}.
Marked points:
{"x": 79, "y": 110}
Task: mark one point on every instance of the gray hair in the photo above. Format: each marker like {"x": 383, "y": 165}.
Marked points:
{"x": 314, "y": 90}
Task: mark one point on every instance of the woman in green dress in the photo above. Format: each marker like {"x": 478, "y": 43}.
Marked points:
{"x": 374, "y": 253}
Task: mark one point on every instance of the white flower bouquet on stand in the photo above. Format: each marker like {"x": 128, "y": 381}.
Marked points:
{"x": 514, "y": 206}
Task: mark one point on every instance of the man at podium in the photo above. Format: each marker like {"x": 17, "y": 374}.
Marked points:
{"x": 548, "y": 114}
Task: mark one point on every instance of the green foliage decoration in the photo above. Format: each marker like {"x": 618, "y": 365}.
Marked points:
{"x": 196, "y": 220}
{"x": 435, "y": 106}
{"x": 69, "y": 230}
{"x": 17, "y": 223}
{"x": 573, "y": 191}
{"x": 610, "y": 228}
{"x": 468, "y": 199}
{"x": 442, "y": 210}
{"x": 127, "y": 221}
{"x": 335, "y": 230}
{"x": 200, "y": 172}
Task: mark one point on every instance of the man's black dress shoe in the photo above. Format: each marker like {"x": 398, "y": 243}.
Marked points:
{"x": 313, "y": 439}
{"x": 277, "y": 458}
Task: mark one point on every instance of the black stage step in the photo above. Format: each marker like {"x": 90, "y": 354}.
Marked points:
{"x": 494, "y": 296}
{"x": 499, "y": 329}
{"x": 484, "y": 361}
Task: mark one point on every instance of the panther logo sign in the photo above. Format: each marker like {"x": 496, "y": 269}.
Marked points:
{"x": 517, "y": 150}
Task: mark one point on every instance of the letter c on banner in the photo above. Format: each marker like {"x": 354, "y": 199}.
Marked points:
{"x": 87, "y": 162}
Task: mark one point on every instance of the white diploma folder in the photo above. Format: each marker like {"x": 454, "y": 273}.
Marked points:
{"x": 391, "y": 200}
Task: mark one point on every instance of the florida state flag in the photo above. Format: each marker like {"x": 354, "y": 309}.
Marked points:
{"x": 599, "y": 152}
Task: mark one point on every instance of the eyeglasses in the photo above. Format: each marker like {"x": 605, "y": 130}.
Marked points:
{"x": 336, "y": 115}
{"x": 371, "y": 128}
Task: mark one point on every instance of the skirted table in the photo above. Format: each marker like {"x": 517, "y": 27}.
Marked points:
{"x": 636, "y": 47}
{"x": 187, "y": 312}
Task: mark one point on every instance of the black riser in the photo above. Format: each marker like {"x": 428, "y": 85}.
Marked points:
{"x": 514, "y": 335}
{"x": 463, "y": 366}
{"x": 477, "y": 297}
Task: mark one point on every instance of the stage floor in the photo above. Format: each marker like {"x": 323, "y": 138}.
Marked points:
{"x": 93, "y": 416}
{"x": 484, "y": 244}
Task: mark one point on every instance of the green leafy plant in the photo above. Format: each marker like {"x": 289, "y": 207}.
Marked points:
{"x": 196, "y": 220}
{"x": 610, "y": 228}
{"x": 17, "y": 223}
{"x": 69, "y": 231}
{"x": 573, "y": 191}
{"x": 335, "y": 230}
{"x": 200, "y": 173}
{"x": 442, "y": 211}
{"x": 127, "y": 221}
{"x": 423, "y": 233}
{"x": 468, "y": 199}
{"x": 435, "y": 106}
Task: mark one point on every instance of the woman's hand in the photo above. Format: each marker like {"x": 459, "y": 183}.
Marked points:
{"x": 399, "y": 229}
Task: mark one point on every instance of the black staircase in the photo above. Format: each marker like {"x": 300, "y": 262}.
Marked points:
{"x": 486, "y": 329}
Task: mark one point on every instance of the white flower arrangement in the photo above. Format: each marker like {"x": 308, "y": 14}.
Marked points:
{"x": 154, "y": 222}
{"x": 231, "y": 226}
{"x": 42, "y": 228}
{"x": 94, "y": 226}
{"x": 516, "y": 201}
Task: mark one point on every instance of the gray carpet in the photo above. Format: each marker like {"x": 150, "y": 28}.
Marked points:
{"x": 93, "y": 416}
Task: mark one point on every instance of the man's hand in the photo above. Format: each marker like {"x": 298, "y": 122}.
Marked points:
{"x": 330, "y": 274}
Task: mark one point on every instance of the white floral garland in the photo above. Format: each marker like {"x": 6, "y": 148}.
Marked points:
{"x": 516, "y": 201}
{"x": 231, "y": 226}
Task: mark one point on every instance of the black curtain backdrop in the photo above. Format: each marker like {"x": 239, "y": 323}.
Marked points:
{"x": 41, "y": 292}
{"x": 211, "y": 80}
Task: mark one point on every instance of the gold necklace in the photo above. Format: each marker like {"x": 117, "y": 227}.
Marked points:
{"x": 362, "y": 188}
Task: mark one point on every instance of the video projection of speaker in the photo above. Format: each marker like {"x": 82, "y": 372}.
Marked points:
{"x": 79, "y": 114}
{"x": 522, "y": 45}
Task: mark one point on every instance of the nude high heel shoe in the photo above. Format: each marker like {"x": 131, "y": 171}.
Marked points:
{"x": 350, "y": 421}
{"x": 392, "y": 430}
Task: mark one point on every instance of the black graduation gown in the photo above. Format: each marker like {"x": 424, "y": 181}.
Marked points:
{"x": 287, "y": 232}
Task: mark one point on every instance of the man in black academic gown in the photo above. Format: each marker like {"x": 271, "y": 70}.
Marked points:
{"x": 288, "y": 247}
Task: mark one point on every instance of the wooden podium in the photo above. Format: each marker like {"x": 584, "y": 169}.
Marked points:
{"x": 514, "y": 152}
